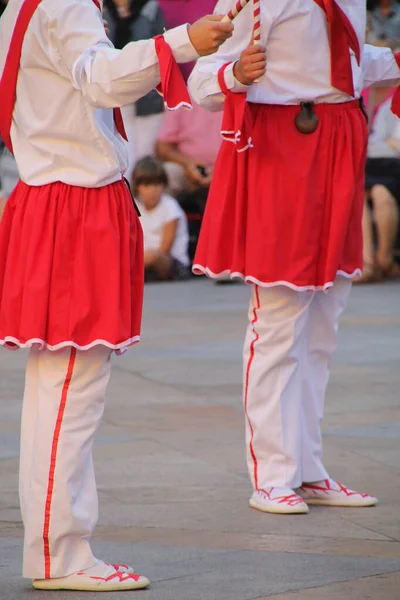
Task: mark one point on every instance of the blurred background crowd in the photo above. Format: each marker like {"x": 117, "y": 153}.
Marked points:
{"x": 172, "y": 154}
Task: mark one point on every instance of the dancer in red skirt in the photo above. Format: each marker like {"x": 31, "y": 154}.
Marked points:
{"x": 71, "y": 255}
{"x": 284, "y": 213}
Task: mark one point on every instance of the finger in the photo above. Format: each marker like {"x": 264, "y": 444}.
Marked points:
{"x": 222, "y": 38}
{"x": 254, "y": 49}
{"x": 258, "y": 67}
{"x": 223, "y": 27}
{"x": 257, "y": 74}
{"x": 255, "y": 58}
{"x": 216, "y": 18}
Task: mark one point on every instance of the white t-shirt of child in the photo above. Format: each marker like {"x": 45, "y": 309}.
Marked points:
{"x": 154, "y": 221}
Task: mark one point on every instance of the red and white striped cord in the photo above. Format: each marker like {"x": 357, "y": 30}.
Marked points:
{"x": 257, "y": 22}
{"x": 239, "y": 6}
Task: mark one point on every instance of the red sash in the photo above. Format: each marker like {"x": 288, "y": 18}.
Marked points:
{"x": 8, "y": 83}
{"x": 341, "y": 37}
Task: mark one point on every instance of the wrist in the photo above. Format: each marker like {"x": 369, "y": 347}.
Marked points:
{"x": 238, "y": 75}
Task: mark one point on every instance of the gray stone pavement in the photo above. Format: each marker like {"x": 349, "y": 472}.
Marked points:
{"x": 171, "y": 467}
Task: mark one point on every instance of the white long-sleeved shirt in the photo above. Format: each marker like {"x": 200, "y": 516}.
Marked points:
{"x": 295, "y": 33}
{"x": 70, "y": 78}
{"x": 384, "y": 127}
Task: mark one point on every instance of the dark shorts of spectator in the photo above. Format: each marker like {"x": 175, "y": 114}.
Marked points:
{"x": 178, "y": 272}
{"x": 386, "y": 172}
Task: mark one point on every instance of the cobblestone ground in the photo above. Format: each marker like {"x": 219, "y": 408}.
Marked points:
{"x": 171, "y": 470}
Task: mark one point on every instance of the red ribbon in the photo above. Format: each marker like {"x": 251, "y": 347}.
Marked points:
{"x": 8, "y": 83}
{"x": 237, "y": 123}
{"x": 341, "y": 37}
{"x": 172, "y": 87}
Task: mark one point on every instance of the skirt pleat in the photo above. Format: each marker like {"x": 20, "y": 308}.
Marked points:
{"x": 288, "y": 210}
{"x": 71, "y": 267}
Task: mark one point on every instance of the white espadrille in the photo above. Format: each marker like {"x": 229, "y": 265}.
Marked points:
{"x": 100, "y": 578}
{"x": 333, "y": 493}
{"x": 278, "y": 501}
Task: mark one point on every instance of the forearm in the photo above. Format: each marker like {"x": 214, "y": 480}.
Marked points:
{"x": 379, "y": 67}
{"x": 203, "y": 82}
{"x": 82, "y": 52}
{"x": 169, "y": 153}
{"x": 168, "y": 237}
{"x": 204, "y": 86}
{"x": 109, "y": 77}
{"x": 382, "y": 149}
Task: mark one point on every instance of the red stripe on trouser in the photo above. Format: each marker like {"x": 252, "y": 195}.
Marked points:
{"x": 246, "y": 393}
{"x": 53, "y": 460}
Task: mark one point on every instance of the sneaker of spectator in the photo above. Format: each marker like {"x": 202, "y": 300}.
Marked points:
{"x": 164, "y": 224}
{"x": 131, "y": 21}
{"x": 188, "y": 143}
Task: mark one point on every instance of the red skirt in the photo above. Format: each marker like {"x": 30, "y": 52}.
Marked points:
{"x": 288, "y": 210}
{"x": 71, "y": 267}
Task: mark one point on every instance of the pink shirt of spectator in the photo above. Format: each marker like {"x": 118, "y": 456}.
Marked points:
{"x": 178, "y": 12}
{"x": 197, "y": 133}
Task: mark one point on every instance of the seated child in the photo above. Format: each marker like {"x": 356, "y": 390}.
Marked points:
{"x": 165, "y": 229}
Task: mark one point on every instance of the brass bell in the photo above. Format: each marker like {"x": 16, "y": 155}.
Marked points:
{"x": 306, "y": 120}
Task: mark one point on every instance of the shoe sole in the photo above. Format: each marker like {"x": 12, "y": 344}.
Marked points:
{"x": 280, "y": 510}
{"x": 342, "y": 504}
{"x": 49, "y": 584}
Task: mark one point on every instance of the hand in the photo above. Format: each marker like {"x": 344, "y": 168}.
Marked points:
{"x": 194, "y": 175}
{"x": 105, "y": 23}
{"x": 151, "y": 257}
{"x": 393, "y": 143}
{"x": 251, "y": 65}
{"x": 208, "y": 33}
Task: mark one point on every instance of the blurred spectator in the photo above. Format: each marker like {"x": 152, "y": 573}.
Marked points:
{"x": 3, "y": 201}
{"x": 130, "y": 21}
{"x": 2, "y": 6}
{"x": 188, "y": 143}
{"x": 383, "y": 21}
{"x": 382, "y": 185}
{"x": 164, "y": 224}
{"x": 8, "y": 176}
{"x": 177, "y": 12}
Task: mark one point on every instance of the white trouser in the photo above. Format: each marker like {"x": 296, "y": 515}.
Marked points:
{"x": 62, "y": 409}
{"x": 287, "y": 354}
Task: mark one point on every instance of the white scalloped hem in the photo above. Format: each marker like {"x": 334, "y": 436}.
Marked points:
{"x": 178, "y": 106}
{"x": 200, "y": 270}
{"x": 12, "y": 343}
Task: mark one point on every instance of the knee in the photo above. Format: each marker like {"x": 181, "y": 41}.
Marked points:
{"x": 382, "y": 197}
{"x": 282, "y": 303}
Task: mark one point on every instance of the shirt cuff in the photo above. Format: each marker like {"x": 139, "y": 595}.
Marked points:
{"x": 179, "y": 41}
{"x": 232, "y": 83}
